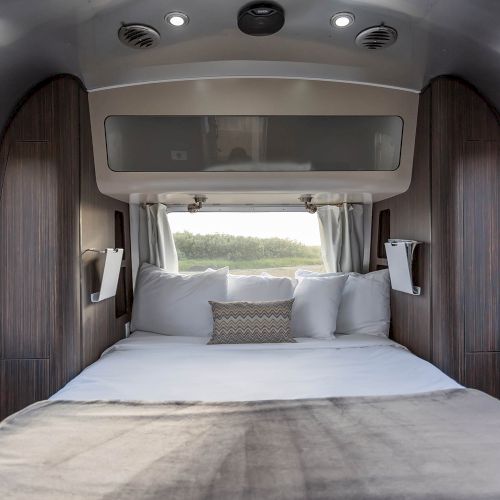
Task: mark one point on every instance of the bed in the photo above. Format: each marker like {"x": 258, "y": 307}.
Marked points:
{"x": 158, "y": 368}
{"x": 356, "y": 417}
{"x": 244, "y": 391}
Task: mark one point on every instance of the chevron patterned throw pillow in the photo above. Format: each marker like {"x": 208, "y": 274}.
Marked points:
{"x": 251, "y": 322}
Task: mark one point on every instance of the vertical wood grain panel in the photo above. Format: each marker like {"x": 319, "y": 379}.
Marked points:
{"x": 483, "y": 372}
{"x": 410, "y": 217}
{"x": 448, "y": 116}
{"x": 22, "y": 382}
{"x": 459, "y": 114}
{"x": 481, "y": 169}
{"x": 35, "y": 118}
{"x": 65, "y": 356}
{"x": 5, "y": 146}
{"x": 27, "y": 247}
{"x": 50, "y": 210}
{"x": 100, "y": 326}
{"x": 453, "y": 205}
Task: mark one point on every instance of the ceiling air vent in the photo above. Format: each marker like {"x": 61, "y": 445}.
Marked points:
{"x": 378, "y": 37}
{"x": 138, "y": 36}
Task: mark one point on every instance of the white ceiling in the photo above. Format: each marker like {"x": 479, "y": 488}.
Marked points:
{"x": 39, "y": 38}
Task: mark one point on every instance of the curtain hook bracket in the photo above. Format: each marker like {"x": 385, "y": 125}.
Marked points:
{"x": 309, "y": 206}
{"x": 192, "y": 208}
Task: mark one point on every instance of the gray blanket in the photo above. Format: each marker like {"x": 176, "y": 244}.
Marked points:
{"x": 443, "y": 445}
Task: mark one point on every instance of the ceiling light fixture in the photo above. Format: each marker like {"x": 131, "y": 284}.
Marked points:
{"x": 176, "y": 19}
{"x": 342, "y": 20}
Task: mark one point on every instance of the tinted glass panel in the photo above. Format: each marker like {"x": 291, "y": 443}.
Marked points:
{"x": 253, "y": 143}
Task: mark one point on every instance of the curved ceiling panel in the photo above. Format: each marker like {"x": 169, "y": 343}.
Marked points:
{"x": 41, "y": 37}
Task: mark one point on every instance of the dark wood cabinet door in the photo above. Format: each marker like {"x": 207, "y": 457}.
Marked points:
{"x": 483, "y": 372}
{"x": 28, "y": 247}
{"x": 481, "y": 196}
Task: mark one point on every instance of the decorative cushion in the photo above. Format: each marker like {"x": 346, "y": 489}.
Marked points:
{"x": 251, "y": 322}
{"x": 176, "y": 304}
{"x": 259, "y": 288}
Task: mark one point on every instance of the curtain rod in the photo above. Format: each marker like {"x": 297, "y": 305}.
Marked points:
{"x": 306, "y": 204}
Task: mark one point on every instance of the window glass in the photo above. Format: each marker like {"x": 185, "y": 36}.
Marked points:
{"x": 253, "y": 143}
{"x": 278, "y": 243}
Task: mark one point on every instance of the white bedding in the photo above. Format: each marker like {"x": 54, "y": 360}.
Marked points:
{"x": 153, "y": 368}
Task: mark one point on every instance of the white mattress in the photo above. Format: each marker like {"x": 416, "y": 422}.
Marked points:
{"x": 153, "y": 368}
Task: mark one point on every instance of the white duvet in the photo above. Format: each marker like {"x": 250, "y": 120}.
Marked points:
{"x": 151, "y": 367}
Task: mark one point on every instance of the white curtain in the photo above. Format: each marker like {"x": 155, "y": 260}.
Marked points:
{"x": 342, "y": 237}
{"x": 156, "y": 241}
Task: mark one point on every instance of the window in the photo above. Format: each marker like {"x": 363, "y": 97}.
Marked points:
{"x": 278, "y": 243}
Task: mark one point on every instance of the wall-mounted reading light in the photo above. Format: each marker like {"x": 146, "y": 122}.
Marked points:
{"x": 342, "y": 20}
{"x": 400, "y": 261}
{"x": 176, "y": 19}
{"x": 110, "y": 274}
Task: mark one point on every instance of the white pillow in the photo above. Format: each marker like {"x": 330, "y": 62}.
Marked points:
{"x": 177, "y": 304}
{"x": 304, "y": 273}
{"x": 316, "y": 304}
{"x": 261, "y": 288}
{"x": 366, "y": 302}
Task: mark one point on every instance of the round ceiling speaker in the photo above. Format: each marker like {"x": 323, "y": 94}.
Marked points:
{"x": 261, "y": 19}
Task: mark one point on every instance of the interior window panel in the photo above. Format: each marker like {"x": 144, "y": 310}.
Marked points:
{"x": 253, "y": 143}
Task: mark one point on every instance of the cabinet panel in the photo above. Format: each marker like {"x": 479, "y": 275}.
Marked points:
{"x": 22, "y": 382}
{"x": 34, "y": 118}
{"x": 51, "y": 210}
{"x": 465, "y": 213}
{"x": 27, "y": 251}
{"x": 481, "y": 174}
{"x": 483, "y": 372}
{"x": 65, "y": 360}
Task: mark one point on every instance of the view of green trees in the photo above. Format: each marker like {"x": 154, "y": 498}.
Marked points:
{"x": 197, "y": 252}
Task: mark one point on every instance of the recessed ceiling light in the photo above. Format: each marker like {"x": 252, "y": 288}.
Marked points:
{"x": 342, "y": 20}
{"x": 176, "y": 19}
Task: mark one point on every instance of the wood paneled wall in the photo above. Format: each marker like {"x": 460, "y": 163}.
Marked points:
{"x": 103, "y": 323}
{"x": 410, "y": 218}
{"x": 50, "y": 208}
{"x": 460, "y": 115}
{"x": 453, "y": 206}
